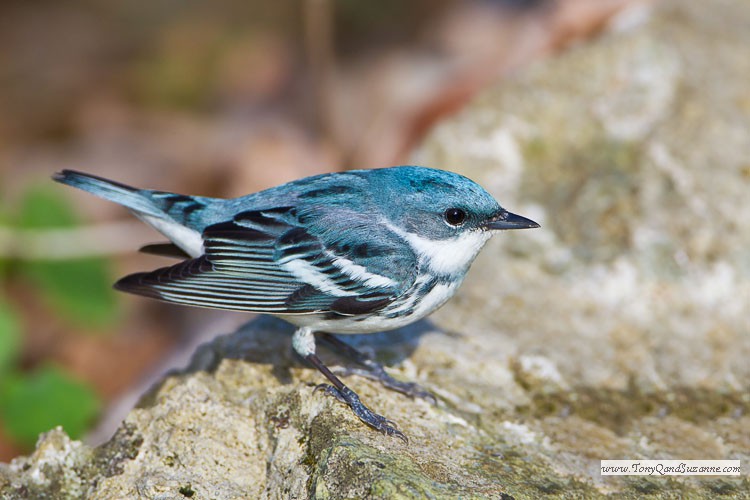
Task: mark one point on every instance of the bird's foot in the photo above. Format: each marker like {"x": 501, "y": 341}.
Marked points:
{"x": 366, "y": 415}
{"x": 375, "y": 371}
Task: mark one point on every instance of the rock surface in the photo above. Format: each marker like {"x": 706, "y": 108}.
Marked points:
{"x": 618, "y": 330}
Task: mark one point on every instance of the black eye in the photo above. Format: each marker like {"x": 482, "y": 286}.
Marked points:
{"x": 454, "y": 216}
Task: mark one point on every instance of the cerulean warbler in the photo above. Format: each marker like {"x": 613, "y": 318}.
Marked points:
{"x": 353, "y": 252}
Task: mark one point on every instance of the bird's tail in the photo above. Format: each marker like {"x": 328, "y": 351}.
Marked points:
{"x": 130, "y": 197}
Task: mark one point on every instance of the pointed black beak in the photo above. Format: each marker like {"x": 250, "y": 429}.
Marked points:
{"x": 507, "y": 220}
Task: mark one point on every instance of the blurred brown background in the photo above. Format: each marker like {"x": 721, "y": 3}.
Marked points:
{"x": 221, "y": 99}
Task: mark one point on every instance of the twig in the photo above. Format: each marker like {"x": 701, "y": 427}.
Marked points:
{"x": 70, "y": 243}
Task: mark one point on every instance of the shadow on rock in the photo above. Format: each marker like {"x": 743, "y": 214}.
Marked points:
{"x": 268, "y": 340}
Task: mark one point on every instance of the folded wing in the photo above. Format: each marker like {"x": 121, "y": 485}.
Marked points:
{"x": 267, "y": 261}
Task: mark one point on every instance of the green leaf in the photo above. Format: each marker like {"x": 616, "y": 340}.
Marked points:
{"x": 45, "y": 206}
{"x": 5, "y": 227}
{"x": 37, "y": 402}
{"x": 10, "y": 337}
{"x": 80, "y": 289}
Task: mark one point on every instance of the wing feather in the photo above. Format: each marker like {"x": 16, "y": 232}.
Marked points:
{"x": 264, "y": 261}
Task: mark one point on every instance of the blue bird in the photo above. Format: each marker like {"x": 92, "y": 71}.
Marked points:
{"x": 354, "y": 252}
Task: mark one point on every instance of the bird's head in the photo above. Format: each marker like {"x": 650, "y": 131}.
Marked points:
{"x": 443, "y": 214}
{"x": 440, "y": 205}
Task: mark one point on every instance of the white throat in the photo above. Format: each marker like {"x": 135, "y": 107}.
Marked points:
{"x": 447, "y": 257}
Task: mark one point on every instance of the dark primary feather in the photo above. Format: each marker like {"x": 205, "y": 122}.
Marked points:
{"x": 164, "y": 250}
{"x": 242, "y": 266}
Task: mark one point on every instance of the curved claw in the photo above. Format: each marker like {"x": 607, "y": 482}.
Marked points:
{"x": 391, "y": 431}
{"x": 389, "y": 422}
{"x": 331, "y": 391}
{"x": 322, "y": 387}
{"x": 366, "y": 415}
{"x": 387, "y": 427}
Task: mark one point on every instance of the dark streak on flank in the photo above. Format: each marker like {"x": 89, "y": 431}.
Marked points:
{"x": 352, "y": 306}
{"x": 299, "y": 295}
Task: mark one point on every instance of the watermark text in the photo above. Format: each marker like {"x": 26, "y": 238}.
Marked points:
{"x": 670, "y": 468}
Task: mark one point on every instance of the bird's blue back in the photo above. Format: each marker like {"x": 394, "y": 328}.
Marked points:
{"x": 384, "y": 189}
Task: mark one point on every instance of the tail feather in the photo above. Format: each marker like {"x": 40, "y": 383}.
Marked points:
{"x": 123, "y": 194}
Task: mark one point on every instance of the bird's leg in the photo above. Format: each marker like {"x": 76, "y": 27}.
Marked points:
{"x": 303, "y": 343}
{"x": 374, "y": 370}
